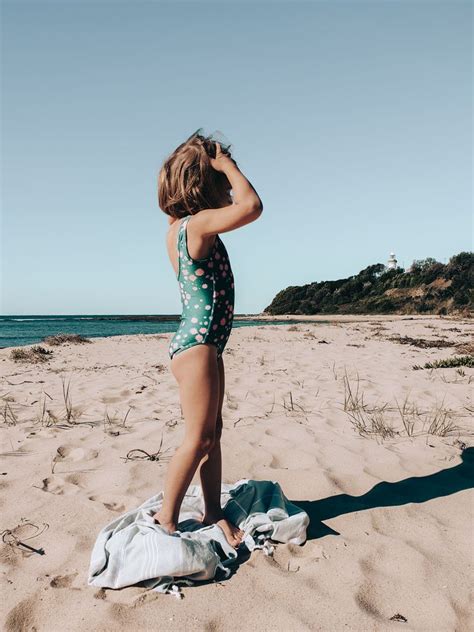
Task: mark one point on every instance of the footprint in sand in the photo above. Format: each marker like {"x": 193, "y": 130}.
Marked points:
{"x": 292, "y": 556}
{"x": 22, "y": 616}
{"x": 62, "y": 581}
{"x": 59, "y": 485}
{"x": 111, "y": 502}
{"x": 73, "y": 453}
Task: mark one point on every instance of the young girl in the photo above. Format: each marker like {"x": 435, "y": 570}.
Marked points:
{"x": 195, "y": 185}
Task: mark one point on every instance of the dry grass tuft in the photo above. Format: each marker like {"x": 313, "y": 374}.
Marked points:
{"x": 32, "y": 354}
{"x": 422, "y": 343}
{"x": 61, "y": 339}
{"x": 373, "y": 421}
{"x": 7, "y": 413}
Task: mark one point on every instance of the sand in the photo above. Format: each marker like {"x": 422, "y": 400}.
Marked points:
{"x": 390, "y": 542}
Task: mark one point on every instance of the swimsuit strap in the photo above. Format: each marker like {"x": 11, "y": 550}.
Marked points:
{"x": 181, "y": 230}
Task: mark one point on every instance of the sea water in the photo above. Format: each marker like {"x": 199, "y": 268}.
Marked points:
{"x": 23, "y": 330}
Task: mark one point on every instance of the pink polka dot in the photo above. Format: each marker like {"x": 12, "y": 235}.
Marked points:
{"x": 199, "y": 272}
{"x": 204, "y": 285}
{"x": 214, "y": 326}
{"x": 202, "y": 330}
{"x": 192, "y": 277}
{"x": 222, "y": 292}
{"x": 218, "y": 255}
{"x": 193, "y": 330}
{"x": 223, "y": 321}
{"x": 199, "y": 338}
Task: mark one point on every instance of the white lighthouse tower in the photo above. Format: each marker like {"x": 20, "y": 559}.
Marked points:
{"x": 392, "y": 262}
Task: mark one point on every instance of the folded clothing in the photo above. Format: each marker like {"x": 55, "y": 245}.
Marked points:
{"x": 134, "y": 549}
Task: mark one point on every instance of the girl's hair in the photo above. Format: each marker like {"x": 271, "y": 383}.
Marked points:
{"x": 187, "y": 182}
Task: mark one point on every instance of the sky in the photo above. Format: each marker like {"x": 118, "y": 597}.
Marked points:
{"x": 352, "y": 120}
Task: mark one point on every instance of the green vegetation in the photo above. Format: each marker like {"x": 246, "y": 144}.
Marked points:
{"x": 467, "y": 360}
{"x": 427, "y": 287}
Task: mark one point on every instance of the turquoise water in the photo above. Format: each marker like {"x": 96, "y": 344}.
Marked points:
{"x": 23, "y": 330}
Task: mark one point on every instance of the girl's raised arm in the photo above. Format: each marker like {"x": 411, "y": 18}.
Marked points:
{"x": 246, "y": 207}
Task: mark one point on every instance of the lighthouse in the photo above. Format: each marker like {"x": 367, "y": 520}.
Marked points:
{"x": 392, "y": 262}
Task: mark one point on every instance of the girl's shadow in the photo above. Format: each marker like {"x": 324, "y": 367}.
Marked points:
{"x": 416, "y": 489}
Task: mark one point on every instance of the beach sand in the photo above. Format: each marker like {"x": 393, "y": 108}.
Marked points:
{"x": 391, "y": 518}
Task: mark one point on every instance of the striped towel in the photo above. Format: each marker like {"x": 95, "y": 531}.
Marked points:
{"x": 133, "y": 549}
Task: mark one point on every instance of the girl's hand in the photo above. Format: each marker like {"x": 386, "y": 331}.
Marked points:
{"x": 222, "y": 161}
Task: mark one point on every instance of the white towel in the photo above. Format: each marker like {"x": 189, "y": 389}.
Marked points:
{"x": 135, "y": 549}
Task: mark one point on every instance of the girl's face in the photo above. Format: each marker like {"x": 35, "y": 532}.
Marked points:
{"x": 226, "y": 189}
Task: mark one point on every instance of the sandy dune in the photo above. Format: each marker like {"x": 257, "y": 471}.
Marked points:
{"x": 391, "y": 518}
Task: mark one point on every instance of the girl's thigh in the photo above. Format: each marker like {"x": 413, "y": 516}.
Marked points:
{"x": 197, "y": 373}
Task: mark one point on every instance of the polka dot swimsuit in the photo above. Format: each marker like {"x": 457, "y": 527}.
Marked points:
{"x": 207, "y": 296}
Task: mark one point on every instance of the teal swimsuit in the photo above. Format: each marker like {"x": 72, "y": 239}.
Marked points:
{"x": 207, "y": 297}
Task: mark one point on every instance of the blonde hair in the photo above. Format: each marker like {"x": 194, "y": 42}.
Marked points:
{"x": 187, "y": 182}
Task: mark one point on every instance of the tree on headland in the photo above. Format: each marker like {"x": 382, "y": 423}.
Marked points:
{"x": 428, "y": 286}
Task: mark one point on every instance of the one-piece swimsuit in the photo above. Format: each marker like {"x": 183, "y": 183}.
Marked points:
{"x": 207, "y": 296}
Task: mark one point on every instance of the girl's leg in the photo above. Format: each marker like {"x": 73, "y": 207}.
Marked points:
{"x": 210, "y": 470}
{"x": 197, "y": 375}
{"x": 211, "y": 474}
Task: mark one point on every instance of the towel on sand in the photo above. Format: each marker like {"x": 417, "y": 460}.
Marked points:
{"x": 135, "y": 549}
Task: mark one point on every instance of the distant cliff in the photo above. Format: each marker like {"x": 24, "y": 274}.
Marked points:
{"x": 427, "y": 287}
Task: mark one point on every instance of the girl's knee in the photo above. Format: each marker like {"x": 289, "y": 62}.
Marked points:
{"x": 200, "y": 445}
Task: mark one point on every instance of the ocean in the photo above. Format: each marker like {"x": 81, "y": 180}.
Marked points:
{"x": 24, "y": 330}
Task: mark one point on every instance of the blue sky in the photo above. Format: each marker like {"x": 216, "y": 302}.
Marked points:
{"x": 351, "y": 119}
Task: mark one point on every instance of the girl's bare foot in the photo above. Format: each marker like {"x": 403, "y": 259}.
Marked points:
{"x": 232, "y": 533}
{"x": 168, "y": 526}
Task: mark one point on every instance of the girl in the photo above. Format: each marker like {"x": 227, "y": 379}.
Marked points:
{"x": 195, "y": 185}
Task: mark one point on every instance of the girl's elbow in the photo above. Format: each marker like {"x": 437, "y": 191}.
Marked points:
{"x": 257, "y": 209}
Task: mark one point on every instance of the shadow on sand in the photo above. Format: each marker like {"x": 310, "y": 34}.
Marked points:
{"x": 417, "y": 489}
